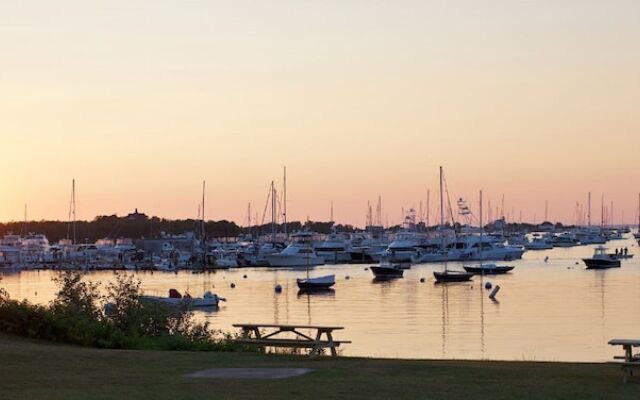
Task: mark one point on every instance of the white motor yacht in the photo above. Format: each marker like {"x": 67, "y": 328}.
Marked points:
{"x": 299, "y": 253}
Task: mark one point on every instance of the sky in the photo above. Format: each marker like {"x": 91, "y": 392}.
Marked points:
{"x": 140, "y": 101}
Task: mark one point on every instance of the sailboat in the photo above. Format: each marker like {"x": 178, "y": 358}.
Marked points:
{"x": 486, "y": 269}
{"x": 447, "y": 275}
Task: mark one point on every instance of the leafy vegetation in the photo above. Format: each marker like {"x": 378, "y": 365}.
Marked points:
{"x": 119, "y": 319}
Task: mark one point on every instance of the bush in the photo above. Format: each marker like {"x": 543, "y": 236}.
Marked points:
{"x": 120, "y": 319}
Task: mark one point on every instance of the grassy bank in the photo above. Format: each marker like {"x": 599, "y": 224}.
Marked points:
{"x": 39, "y": 370}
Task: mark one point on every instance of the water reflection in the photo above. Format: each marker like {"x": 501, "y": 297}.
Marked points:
{"x": 553, "y": 310}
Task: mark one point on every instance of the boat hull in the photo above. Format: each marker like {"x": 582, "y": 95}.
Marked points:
{"x": 281, "y": 260}
{"x": 595, "y": 263}
{"x": 452, "y": 276}
{"x": 489, "y": 270}
{"x": 320, "y": 283}
{"x": 386, "y": 272}
{"x": 193, "y": 302}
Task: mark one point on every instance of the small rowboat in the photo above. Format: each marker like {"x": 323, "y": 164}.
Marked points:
{"x": 175, "y": 298}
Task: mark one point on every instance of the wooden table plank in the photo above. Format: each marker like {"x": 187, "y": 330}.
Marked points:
{"x": 287, "y": 326}
{"x": 625, "y": 342}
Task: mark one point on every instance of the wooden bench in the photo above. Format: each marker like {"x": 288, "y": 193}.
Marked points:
{"x": 630, "y": 361}
{"x": 252, "y": 335}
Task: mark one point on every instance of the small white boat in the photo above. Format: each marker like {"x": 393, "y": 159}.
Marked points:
{"x": 321, "y": 282}
{"x": 175, "y": 298}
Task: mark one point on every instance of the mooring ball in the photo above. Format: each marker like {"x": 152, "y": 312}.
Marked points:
{"x": 278, "y": 288}
{"x": 233, "y": 285}
{"x": 488, "y": 285}
{"x": 421, "y": 280}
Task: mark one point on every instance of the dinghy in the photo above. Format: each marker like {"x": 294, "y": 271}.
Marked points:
{"x": 322, "y": 282}
{"x": 175, "y": 298}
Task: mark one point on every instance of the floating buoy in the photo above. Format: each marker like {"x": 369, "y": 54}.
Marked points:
{"x": 233, "y": 285}
{"x": 488, "y": 285}
{"x": 421, "y": 280}
{"x": 278, "y": 289}
{"x": 494, "y": 292}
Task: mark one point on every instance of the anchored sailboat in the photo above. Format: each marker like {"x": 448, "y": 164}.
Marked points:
{"x": 447, "y": 275}
{"x": 486, "y": 269}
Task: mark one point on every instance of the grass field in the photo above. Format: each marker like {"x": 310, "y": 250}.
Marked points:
{"x": 36, "y": 370}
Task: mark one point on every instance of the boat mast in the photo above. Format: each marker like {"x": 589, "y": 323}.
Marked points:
{"x": 589, "y": 210}
{"x": 481, "y": 231}
{"x": 73, "y": 202}
{"x": 273, "y": 213}
{"x": 202, "y": 216}
{"x": 284, "y": 215}
{"x": 442, "y": 219}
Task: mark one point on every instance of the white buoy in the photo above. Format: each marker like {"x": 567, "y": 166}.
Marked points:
{"x": 494, "y": 292}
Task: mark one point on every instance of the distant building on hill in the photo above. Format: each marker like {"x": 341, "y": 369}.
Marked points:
{"x": 137, "y": 216}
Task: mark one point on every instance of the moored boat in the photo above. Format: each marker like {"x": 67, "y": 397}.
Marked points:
{"x": 175, "y": 298}
{"x": 601, "y": 260}
{"x": 387, "y": 270}
{"x": 488, "y": 269}
{"x": 319, "y": 283}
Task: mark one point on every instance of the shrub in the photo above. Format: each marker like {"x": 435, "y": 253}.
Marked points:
{"x": 120, "y": 319}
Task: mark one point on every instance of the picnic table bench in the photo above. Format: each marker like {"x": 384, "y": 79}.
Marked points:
{"x": 629, "y": 360}
{"x": 271, "y": 337}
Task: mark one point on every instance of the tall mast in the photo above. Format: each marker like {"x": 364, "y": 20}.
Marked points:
{"x": 602, "y": 212}
{"x": 589, "y": 210}
{"x": 442, "y": 218}
{"x": 202, "y": 231}
{"x": 284, "y": 215}
{"x": 481, "y": 230}
{"x": 331, "y": 210}
{"x": 73, "y": 202}
{"x": 273, "y": 212}
{"x": 441, "y": 202}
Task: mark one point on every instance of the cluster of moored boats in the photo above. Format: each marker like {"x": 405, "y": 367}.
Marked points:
{"x": 300, "y": 249}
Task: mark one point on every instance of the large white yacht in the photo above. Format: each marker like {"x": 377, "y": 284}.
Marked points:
{"x": 299, "y": 253}
{"x": 335, "y": 248}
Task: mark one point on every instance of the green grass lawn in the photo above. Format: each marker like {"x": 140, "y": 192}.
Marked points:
{"x": 37, "y": 370}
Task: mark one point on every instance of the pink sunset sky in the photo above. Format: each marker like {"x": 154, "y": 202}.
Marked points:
{"x": 142, "y": 101}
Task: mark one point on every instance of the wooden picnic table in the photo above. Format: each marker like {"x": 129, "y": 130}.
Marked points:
{"x": 271, "y": 336}
{"x": 630, "y": 361}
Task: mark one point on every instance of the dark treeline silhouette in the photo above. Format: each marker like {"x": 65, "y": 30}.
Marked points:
{"x": 113, "y": 227}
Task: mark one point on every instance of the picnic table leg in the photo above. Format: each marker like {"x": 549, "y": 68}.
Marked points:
{"x": 332, "y": 345}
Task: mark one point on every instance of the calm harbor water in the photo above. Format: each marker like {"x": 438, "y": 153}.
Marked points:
{"x": 551, "y": 310}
